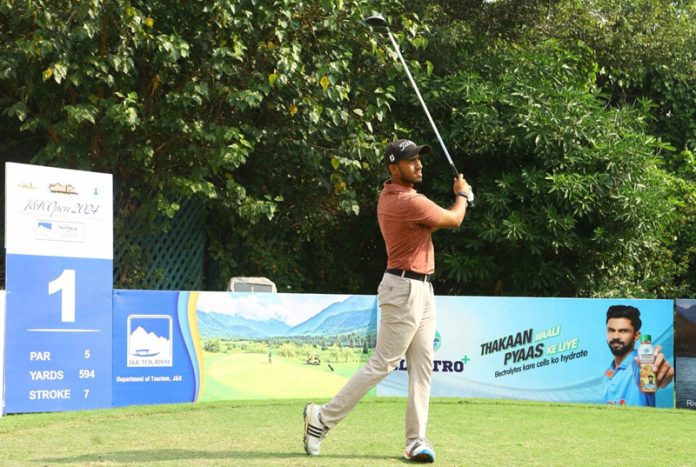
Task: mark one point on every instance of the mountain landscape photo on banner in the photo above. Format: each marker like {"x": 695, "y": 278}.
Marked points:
{"x": 261, "y": 316}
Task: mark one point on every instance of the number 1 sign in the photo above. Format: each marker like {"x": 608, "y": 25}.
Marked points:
{"x": 59, "y": 289}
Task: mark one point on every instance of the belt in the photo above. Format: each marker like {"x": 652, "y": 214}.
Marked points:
{"x": 410, "y": 274}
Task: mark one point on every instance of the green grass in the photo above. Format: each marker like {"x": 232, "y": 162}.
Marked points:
{"x": 250, "y": 376}
{"x": 464, "y": 432}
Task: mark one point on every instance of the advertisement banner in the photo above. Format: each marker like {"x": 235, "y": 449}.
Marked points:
{"x": 59, "y": 285}
{"x": 157, "y": 354}
{"x": 274, "y": 346}
{"x": 685, "y": 349}
{"x": 543, "y": 349}
{"x": 190, "y": 346}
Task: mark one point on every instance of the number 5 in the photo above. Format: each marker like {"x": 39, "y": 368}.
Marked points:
{"x": 66, "y": 283}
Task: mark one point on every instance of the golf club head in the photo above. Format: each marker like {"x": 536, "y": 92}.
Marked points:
{"x": 377, "y": 22}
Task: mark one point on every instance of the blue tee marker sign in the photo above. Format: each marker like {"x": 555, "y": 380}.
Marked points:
{"x": 59, "y": 282}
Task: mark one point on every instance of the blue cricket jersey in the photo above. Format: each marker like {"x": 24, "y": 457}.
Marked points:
{"x": 621, "y": 384}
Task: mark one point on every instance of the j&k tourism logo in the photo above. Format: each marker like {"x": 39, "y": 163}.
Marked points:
{"x": 61, "y": 231}
{"x": 149, "y": 340}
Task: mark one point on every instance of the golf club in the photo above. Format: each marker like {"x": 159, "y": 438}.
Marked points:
{"x": 379, "y": 24}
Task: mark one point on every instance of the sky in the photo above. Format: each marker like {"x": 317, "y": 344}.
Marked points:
{"x": 291, "y": 309}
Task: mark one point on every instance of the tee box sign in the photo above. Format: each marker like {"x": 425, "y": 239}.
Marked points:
{"x": 59, "y": 281}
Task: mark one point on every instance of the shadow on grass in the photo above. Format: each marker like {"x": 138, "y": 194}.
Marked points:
{"x": 173, "y": 455}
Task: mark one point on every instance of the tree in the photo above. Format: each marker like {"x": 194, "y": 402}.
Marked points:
{"x": 244, "y": 105}
{"x": 573, "y": 190}
{"x": 212, "y": 346}
{"x": 646, "y": 49}
{"x": 273, "y": 115}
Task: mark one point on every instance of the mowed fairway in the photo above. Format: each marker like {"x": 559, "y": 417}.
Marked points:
{"x": 269, "y": 433}
{"x": 251, "y": 376}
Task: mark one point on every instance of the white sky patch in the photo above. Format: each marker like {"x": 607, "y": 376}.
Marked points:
{"x": 291, "y": 309}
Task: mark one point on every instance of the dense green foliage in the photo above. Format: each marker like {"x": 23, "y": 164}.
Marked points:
{"x": 581, "y": 193}
{"x": 573, "y": 120}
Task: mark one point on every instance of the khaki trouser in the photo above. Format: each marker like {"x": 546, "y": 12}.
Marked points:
{"x": 406, "y": 328}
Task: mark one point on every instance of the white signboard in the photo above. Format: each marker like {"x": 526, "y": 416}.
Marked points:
{"x": 58, "y": 212}
{"x": 59, "y": 282}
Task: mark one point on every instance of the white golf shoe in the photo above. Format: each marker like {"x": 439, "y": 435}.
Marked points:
{"x": 314, "y": 430}
{"x": 419, "y": 450}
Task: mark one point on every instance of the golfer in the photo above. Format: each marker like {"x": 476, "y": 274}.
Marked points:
{"x": 407, "y": 323}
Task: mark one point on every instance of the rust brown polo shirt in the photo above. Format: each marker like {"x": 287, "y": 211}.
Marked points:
{"x": 406, "y": 219}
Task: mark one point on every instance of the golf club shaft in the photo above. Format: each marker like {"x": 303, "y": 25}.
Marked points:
{"x": 427, "y": 112}
{"x": 420, "y": 98}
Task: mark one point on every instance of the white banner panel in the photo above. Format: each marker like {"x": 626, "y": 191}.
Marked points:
{"x": 58, "y": 212}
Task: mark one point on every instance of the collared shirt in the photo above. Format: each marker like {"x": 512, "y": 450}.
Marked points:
{"x": 621, "y": 384}
{"x": 406, "y": 219}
